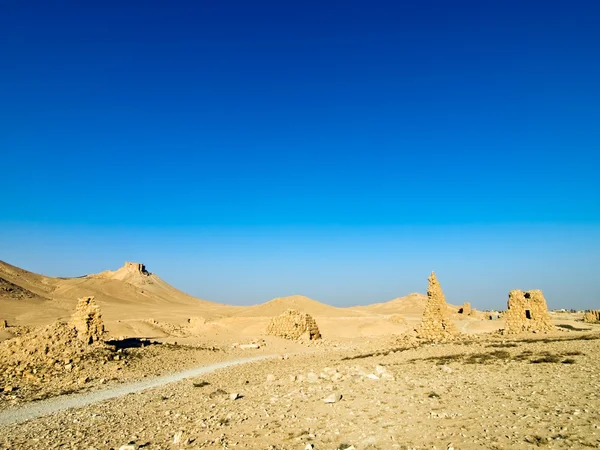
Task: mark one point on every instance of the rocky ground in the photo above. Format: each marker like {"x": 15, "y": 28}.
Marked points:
{"x": 51, "y": 361}
{"x": 489, "y": 392}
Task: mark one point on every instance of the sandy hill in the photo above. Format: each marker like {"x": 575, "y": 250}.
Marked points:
{"x": 129, "y": 293}
{"x": 36, "y": 284}
{"x": 411, "y": 304}
{"x": 298, "y": 302}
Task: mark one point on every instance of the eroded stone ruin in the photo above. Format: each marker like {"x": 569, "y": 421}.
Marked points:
{"x": 87, "y": 320}
{"x": 3, "y": 323}
{"x": 527, "y": 312}
{"x": 294, "y": 324}
{"x": 436, "y": 324}
{"x": 592, "y": 316}
{"x": 465, "y": 309}
{"x": 136, "y": 267}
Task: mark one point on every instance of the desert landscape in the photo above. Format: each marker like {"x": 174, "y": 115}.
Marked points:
{"x": 271, "y": 225}
{"x": 122, "y": 360}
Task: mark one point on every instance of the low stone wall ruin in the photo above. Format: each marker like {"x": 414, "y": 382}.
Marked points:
{"x": 294, "y": 324}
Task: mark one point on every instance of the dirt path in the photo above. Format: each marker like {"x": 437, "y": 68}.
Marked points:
{"x": 56, "y": 404}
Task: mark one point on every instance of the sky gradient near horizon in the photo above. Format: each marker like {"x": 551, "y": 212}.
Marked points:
{"x": 249, "y": 150}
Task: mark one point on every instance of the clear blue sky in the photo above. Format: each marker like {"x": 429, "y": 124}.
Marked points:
{"x": 248, "y": 150}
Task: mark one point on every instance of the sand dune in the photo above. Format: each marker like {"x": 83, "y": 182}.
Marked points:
{"x": 301, "y": 303}
{"x": 410, "y": 304}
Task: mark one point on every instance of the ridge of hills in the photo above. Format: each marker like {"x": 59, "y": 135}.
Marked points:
{"x": 133, "y": 294}
{"x": 129, "y": 293}
{"x": 301, "y": 303}
{"x": 413, "y": 303}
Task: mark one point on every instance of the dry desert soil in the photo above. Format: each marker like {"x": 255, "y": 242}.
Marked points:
{"x": 173, "y": 372}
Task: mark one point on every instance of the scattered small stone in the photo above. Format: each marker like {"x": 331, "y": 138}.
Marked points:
{"x": 235, "y": 396}
{"x": 333, "y": 398}
{"x": 270, "y": 378}
{"x": 312, "y": 377}
{"x": 380, "y": 370}
{"x": 249, "y": 346}
{"x": 128, "y": 447}
{"x": 178, "y": 437}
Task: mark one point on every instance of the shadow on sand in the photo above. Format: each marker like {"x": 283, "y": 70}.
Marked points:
{"x": 133, "y": 342}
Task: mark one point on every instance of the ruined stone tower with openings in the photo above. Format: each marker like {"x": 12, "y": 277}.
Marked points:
{"x": 465, "y": 309}
{"x": 527, "y": 312}
{"x": 294, "y": 324}
{"x": 436, "y": 324}
{"x": 87, "y": 320}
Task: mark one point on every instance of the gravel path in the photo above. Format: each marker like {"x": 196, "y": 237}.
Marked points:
{"x": 56, "y": 404}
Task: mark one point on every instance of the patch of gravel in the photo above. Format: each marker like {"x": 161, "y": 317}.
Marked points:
{"x": 56, "y": 404}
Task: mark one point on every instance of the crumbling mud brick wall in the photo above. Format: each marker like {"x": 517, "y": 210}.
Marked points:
{"x": 592, "y": 316}
{"x": 527, "y": 312}
{"x": 87, "y": 320}
{"x": 294, "y": 324}
{"x": 465, "y": 309}
{"x": 436, "y": 324}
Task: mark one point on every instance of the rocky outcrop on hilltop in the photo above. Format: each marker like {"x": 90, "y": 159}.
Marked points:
{"x": 130, "y": 272}
{"x": 136, "y": 267}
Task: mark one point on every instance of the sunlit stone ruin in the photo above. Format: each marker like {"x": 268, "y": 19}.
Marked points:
{"x": 592, "y": 316}
{"x": 465, "y": 309}
{"x": 294, "y": 324}
{"x": 436, "y": 324}
{"x": 87, "y": 320}
{"x": 527, "y": 312}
